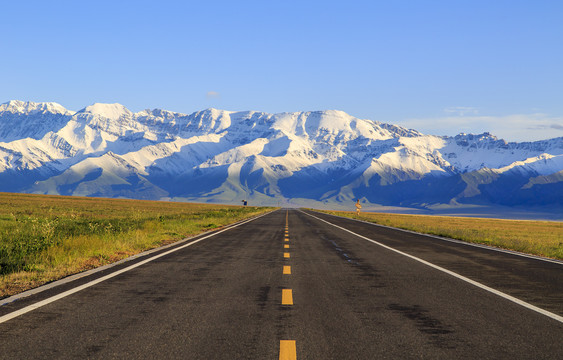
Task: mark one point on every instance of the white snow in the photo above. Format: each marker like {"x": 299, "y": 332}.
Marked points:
{"x": 122, "y": 143}
{"x": 30, "y": 107}
{"x": 109, "y": 111}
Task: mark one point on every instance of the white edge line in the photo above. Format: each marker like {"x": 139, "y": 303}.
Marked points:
{"x": 113, "y": 274}
{"x": 482, "y": 246}
{"x": 80, "y": 275}
{"x": 461, "y": 277}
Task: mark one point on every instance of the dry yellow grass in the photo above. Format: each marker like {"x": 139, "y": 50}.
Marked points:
{"x": 44, "y": 238}
{"x": 543, "y": 238}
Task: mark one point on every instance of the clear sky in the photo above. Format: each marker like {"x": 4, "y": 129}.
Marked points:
{"x": 441, "y": 67}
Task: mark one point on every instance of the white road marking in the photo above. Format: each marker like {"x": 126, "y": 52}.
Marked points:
{"x": 461, "y": 277}
{"x": 109, "y": 276}
{"x": 482, "y": 246}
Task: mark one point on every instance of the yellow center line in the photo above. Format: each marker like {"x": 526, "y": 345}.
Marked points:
{"x": 288, "y": 350}
{"x": 287, "y": 297}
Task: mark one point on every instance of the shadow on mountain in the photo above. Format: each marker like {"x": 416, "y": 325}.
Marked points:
{"x": 413, "y": 193}
{"x": 195, "y": 180}
{"x": 346, "y": 185}
{"x": 137, "y": 187}
{"x": 68, "y": 189}
{"x": 20, "y": 126}
{"x": 20, "y": 180}
{"x": 539, "y": 195}
{"x": 509, "y": 190}
{"x": 311, "y": 183}
{"x": 193, "y": 183}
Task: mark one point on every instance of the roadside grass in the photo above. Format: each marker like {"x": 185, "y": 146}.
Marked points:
{"x": 45, "y": 238}
{"x": 543, "y": 238}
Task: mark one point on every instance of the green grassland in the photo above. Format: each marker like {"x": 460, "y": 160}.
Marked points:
{"x": 543, "y": 238}
{"x": 44, "y": 238}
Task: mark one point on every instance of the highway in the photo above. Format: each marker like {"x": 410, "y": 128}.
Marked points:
{"x": 295, "y": 284}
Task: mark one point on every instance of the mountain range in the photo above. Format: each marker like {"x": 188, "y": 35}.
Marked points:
{"x": 318, "y": 158}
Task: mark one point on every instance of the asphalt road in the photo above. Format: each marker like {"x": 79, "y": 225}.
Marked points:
{"x": 243, "y": 294}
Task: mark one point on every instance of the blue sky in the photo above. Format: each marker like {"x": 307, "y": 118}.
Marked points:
{"x": 442, "y": 67}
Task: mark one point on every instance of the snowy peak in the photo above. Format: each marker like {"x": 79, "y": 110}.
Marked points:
{"x": 211, "y": 120}
{"x": 543, "y": 164}
{"x": 330, "y": 127}
{"x": 484, "y": 137}
{"x": 20, "y": 120}
{"x": 30, "y": 108}
{"x": 159, "y": 113}
{"x": 481, "y": 141}
{"x": 217, "y": 155}
{"x": 489, "y": 141}
{"x": 109, "y": 111}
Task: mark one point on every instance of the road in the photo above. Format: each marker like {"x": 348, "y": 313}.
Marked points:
{"x": 315, "y": 292}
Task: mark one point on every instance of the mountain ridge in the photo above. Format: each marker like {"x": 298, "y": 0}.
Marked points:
{"x": 325, "y": 157}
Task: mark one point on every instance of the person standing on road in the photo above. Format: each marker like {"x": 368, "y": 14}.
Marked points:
{"x": 358, "y": 207}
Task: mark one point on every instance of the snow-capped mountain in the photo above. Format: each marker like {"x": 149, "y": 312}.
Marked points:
{"x": 21, "y": 120}
{"x": 223, "y": 156}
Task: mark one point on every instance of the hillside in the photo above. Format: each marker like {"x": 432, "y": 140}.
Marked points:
{"x": 320, "y": 157}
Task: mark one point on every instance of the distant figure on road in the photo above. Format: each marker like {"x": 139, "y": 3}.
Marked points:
{"x": 244, "y": 202}
{"x": 358, "y": 207}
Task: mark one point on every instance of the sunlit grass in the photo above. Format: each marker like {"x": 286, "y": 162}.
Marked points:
{"x": 544, "y": 238}
{"x": 44, "y": 238}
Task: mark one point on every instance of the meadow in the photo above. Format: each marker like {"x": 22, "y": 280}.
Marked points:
{"x": 543, "y": 238}
{"x": 45, "y": 238}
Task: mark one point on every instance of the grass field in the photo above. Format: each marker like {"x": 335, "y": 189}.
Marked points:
{"x": 44, "y": 238}
{"x": 544, "y": 238}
